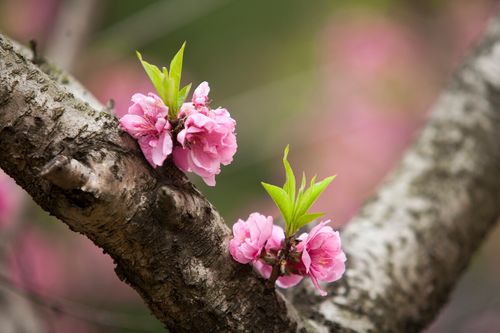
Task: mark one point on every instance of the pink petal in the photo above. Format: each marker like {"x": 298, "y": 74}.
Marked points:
{"x": 135, "y": 125}
{"x": 162, "y": 149}
{"x": 263, "y": 269}
{"x": 181, "y": 158}
{"x": 306, "y": 260}
{"x": 288, "y": 281}
{"x": 316, "y": 284}
{"x": 277, "y": 236}
{"x": 209, "y": 180}
{"x": 200, "y": 94}
{"x": 236, "y": 253}
{"x": 336, "y": 272}
{"x": 146, "y": 149}
{"x": 181, "y": 137}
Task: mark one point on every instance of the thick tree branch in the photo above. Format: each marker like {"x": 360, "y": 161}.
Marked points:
{"x": 405, "y": 250}
{"x": 410, "y": 243}
{"x": 166, "y": 239}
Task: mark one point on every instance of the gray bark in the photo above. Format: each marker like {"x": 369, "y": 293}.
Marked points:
{"x": 406, "y": 249}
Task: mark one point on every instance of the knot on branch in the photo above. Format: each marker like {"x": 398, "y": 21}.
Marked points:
{"x": 70, "y": 174}
{"x": 175, "y": 206}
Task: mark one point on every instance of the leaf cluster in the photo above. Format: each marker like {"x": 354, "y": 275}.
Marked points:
{"x": 167, "y": 83}
{"x": 294, "y": 205}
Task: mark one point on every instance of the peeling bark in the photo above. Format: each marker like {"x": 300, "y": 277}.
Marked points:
{"x": 405, "y": 250}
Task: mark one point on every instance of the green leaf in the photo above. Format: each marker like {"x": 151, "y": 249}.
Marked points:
{"x": 305, "y": 219}
{"x": 300, "y": 193}
{"x": 175, "y": 76}
{"x": 155, "y": 75}
{"x": 183, "y": 94}
{"x": 293, "y": 204}
{"x": 281, "y": 199}
{"x": 303, "y": 182}
{"x": 313, "y": 180}
{"x": 302, "y": 186}
{"x": 176, "y": 65}
{"x": 289, "y": 186}
{"x": 171, "y": 95}
{"x": 167, "y": 83}
{"x": 310, "y": 196}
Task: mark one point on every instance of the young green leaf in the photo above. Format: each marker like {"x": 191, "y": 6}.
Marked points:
{"x": 183, "y": 94}
{"x": 167, "y": 83}
{"x": 281, "y": 199}
{"x": 176, "y": 65}
{"x": 171, "y": 96}
{"x": 310, "y": 195}
{"x": 175, "y": 76}
{"x": 305, "y": 219}
{"x": 293, "y": 204}
{"x": 155, "y": 75}
{"x": 289, "y": 186}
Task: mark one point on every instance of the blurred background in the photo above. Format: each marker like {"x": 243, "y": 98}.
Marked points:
{"x": 347, "y": 84}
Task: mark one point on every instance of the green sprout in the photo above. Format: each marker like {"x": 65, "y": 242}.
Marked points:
{"x": 294, "y": 205}
{"x": 167, "y": 83}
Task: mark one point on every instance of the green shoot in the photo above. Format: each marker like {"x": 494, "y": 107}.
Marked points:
{"x": 294, "y": 205}
{"x": 167, "y": 83}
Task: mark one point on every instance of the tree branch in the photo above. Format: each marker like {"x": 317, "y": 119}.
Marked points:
{"x": 167, "y": 240}
{"x": 409, "y": 245}
{"x": 405, "y": 250}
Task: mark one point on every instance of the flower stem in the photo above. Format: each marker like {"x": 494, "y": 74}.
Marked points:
{"x": 274, "y": 274}
{"x": 282, "y": 260}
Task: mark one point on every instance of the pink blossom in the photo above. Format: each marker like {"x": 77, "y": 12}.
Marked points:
{"x": 207, "y": 141}
{"x": 188, "y": 109}
{"x": 275, "y": 243}
{"x": 146, "y": 121}
{"x": 200, "y": 94}
{"x": 250, "y": 236}
{"x": 322, "y": 255}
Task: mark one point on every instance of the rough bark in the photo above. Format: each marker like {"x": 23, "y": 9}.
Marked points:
{"x": 405, "y": 250}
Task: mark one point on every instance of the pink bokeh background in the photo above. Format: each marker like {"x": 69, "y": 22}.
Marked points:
{"x": 378, "y": 73}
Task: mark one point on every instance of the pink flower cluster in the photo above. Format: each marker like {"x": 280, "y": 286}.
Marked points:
{"x": 317, "y": 254}
{"x": 205, "y": 141}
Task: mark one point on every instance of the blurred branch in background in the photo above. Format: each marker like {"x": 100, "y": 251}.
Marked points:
{"x": 70, "y": 31}
{"x": 95, "y": 316}
{"x": 17, "y": 315}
